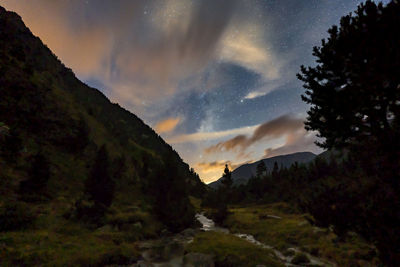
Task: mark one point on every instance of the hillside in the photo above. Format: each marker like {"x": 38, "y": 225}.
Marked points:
{"x": 53, "y": 128}
{"x": 244, "y": 172}
{"x": 40, "y": 94}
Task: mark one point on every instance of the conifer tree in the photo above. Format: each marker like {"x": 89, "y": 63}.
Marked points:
{"x": 100, "y": 186}
{"x": 275, "y": 170}
{"x": 39, "y": 174}
{"x": 354, "y": 93}
{"x": 354, "y": 89}
{"x": 171, "y": 201}
{"x": 261, "y": 169}
{"x": 227, "y": 177}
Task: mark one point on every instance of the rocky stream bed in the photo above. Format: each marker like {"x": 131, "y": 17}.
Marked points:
{"x": 169, "y": 250}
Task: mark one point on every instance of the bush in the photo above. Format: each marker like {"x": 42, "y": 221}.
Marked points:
{"x": 89, "y": 212}
{"x": 300, "y": 258}
{"x": 220, "y": 213}
{"x": 15, "y": 216}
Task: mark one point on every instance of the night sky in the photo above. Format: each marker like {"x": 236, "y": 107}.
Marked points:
{"x": 216, "y": 79}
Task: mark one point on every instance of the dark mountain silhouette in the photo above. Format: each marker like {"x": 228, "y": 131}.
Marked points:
{"x": 243, "y": 173}
{"x": 45, "y": 110}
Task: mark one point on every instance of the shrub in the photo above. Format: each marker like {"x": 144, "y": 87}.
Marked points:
{"x": 300, "y": 258}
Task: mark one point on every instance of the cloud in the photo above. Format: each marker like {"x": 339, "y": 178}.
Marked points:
{"x": 302, "y": 142}
{"x": 202, "y": 136}
{"x": 216, "y": 166}
{"x": 254, "y": 94}
{"x": 82, "y": 46}
{"x": 247, "y": 42}
{"x": 245, "y": 49}
{"x": 285, "y": 125}
{"x": 167, "y": 125}
{"x": 142, "y": 50}
{"x": 267, "y": 87}
{"x": 231, "y": 144}
{"x": 153, "y": 66}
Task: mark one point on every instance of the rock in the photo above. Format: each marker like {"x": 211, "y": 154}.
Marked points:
{"x": 289, "y": 252}
{"x": 198, "y": 260}
{"x": 189, "y": 232}
{"x": 172, "y": 250}
{"x": 165, "y": 233}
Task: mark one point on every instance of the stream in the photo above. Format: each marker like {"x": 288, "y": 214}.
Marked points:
{"x": 169, "y": 250}
{"x": 209, "y": 225}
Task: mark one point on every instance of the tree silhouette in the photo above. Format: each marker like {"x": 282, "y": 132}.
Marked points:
{"x": 354, "y": 89}
{"x": 354, "y": 92}
{"x": 275, "y": 170}
{"x": 171, "y": 201}
{"x": 227, "y": 177}
{"x": 100, "y": 186}
{"x": 261, "y": 169}
{"x": 39, "y": 174}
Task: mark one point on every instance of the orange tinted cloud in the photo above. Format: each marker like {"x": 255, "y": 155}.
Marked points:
{"x": 140, "y": 58}
{"x": 285, "y": 125}
{"x": 167, "y": 125}
{"x": 84, "y": 48}
{"x": 216, "y": 166}
{"x": 211, "y": 171}
{"x": 231, "y": 144}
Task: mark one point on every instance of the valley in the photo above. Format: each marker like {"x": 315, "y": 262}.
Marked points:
{"x": 86, "y": 182}
{"x": 284, "y": 240}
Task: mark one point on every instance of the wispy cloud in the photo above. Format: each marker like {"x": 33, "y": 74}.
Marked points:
{"x": 141, "y": 50}
{"x": 285, "y": 125}
{"x": 167, "y": 125}
{"x": 202, "y": 136}
{"x": 297, "y": 143}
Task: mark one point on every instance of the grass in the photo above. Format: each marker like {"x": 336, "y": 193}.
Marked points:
{"x": 53, "y": 240}
{"x": 293, "y": 230}
{"x": 49, "y": 248}
{"x": 229, "y": 250}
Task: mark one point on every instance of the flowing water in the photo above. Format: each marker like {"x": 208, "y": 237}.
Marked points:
{"x": 169, "y": 250}
{"x": 209, "y": 225}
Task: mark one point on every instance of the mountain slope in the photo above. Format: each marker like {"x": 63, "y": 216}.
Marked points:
{"x": 244, "y": 172}
{"x": 54, "y": 96}
{"x": 52, "y": 127}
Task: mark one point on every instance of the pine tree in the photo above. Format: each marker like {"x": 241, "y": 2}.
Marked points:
{"x": 39, "y": 174}
{"x": 355, "y": 104}
{"x": 100, "y": 186}
{"x": 261, "y": 169}
{"x": 171, "y": 201}
{"x": 227, "y": 177}
{"x": 354, "y": 89}
{"x": 275, "y": 170}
